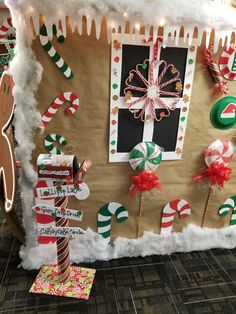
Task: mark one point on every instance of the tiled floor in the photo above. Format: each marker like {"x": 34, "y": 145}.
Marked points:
{"x": 197, "y": 282}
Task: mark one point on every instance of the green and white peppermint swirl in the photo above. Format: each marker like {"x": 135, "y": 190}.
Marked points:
{"x": 145, "y": 156}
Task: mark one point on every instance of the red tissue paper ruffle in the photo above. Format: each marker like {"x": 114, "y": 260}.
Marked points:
{"x": 216, "y": 173}
{"x": 144, "y": 181}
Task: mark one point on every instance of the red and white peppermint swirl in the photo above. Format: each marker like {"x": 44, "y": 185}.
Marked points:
{"x": 58, "y": 102}
{"x": 227, "y": 63}
{"x": 220, "y": 151}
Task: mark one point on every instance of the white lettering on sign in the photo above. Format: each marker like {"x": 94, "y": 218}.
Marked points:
{"x": 58, "y": 212}
{"x": 229, "y": 111}
{"x": 60, "y": 232}
{"x": 58, "y": 191}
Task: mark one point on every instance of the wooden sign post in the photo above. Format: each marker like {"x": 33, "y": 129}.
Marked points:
{"x": 58, "y": 179}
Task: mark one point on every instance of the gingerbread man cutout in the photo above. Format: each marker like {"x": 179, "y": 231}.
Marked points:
{"x": 7, "y": 161}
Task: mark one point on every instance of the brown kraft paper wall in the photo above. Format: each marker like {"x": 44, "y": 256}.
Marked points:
{"x": 88, "y": 129}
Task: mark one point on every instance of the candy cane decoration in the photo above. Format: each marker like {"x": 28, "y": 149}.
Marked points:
{"x": 229, "y": 204}
{"x": 49, "y": 143}
{"x": 169, "y": 211}
{"x": 60, "y": 100}
{"x": 6, "y": 26}
{"x": 104, "y": 218}
{"x": 153, "y": 89}
{"x": 54, "y": 55}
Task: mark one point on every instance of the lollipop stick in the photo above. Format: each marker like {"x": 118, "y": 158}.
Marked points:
{"x": 206, "y": 205}
{"x": 140, "y": 212}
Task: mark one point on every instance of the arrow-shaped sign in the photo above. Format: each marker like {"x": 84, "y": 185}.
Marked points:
{"x": 58, "y": 212}
{"x": 60, "y": 232}
{"x": 80, "y": 191}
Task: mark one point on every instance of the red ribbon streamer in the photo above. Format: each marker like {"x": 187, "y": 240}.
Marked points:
{"x": 144, "y": 181}
{"x": 155, "y": 47}
{"x": 216, "y": 173}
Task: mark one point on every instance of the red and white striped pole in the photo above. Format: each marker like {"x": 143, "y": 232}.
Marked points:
{"x": 63, "y": 253}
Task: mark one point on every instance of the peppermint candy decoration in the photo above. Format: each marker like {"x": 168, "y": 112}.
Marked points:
{"x": 220, "y": 151}
{"x": 145, "y": 156}
{"x": 227, "y": 63}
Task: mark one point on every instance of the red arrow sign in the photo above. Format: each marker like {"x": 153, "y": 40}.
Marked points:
{"x": 229, "y": 111}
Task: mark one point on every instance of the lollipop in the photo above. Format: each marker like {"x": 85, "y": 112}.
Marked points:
{"x": 217, "y": 156}
{"x": 145, "y": 156}
{"x": 144, "y": 159}
{"x": 220, "y": 151}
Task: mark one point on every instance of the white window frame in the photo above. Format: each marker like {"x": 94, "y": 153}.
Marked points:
{"x": 148, "y": 130}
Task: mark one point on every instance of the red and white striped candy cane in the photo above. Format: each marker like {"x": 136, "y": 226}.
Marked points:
{"x": 6, "y": 26}
{"x": 60, "y": 100}
{"x": 169, "y": 211}
{"x": 63, "y": 252}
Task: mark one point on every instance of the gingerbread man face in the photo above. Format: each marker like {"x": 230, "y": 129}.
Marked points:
{"x": 7, "y": 162}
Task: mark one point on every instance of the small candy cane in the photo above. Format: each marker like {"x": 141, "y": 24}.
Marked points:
{"x": 169, "y": 211}
{"x": 61, "y": 98}
{"x": 230, "y": 203}
{"x": 49, "y": 143}
{"x": 104, "y": 218}
{"x": 6, "y": 26}
{"x": 51, "y": 51}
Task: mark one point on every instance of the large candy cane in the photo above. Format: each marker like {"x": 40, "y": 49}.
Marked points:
{"x": 229, "y": 204}
{"x": 49, "y": 143}
{"x": 54, "y": 55}
{"x": 6, "y": 26}
{"x": 104, "y": 218}
{"x": 61, "y": 98}
{"x": 169, "y": 211}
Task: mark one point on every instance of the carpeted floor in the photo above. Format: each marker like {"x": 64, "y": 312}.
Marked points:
{"x": 197, "y": 282}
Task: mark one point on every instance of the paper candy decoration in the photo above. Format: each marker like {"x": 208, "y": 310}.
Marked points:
{"x": 169, "y": 211}
{"x": 104, "y": 218}
{"x": 223, "y": 113}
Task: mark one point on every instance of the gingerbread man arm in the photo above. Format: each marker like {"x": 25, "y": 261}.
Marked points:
{"x": 7, "y": 162}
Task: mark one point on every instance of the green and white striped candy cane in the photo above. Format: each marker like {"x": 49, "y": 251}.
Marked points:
{"x": 230, "y": 203}
{"x": 54, "y": 55}
{"x": 104, "y": 218}
{"x": 49, "y": 143}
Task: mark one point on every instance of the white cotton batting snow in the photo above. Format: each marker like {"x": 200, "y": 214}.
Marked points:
{"x": 91, "y": 247}
{"x": 204, "y": 14}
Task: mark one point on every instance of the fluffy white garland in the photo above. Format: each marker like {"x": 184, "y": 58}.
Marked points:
{"x": 27, "y": 73}
{"x": 91, "y": 247}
